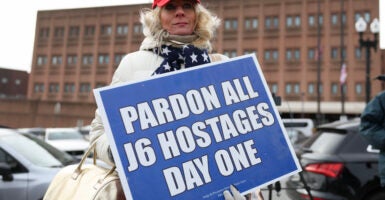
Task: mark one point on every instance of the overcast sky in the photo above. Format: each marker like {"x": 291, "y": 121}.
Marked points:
{"x": 17, "y": 35}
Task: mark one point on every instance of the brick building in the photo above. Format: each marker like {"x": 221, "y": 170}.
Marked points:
{"x": 13, "y": 84}
{"x": 77, "y": 50}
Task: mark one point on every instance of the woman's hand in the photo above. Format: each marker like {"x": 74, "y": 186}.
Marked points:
{"x": 234, "y": 195}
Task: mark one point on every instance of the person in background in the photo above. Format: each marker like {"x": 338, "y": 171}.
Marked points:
{"x": 177, "y": 36}
{"x": 372, "y": 127}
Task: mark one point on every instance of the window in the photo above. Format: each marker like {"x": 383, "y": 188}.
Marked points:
{"x": 231, "y": 24}
{"x": 74, "y": 31}
{"x": 72, "y": 59}
{"x": 275, "y": 55}
{"x": 56, "y": 60}
{"x": 289, "y": 21}
{"x": 274, "y": 88}
{"x": 138, "y": 29}
{"x": 105, "y": 30}
{"x": 358, "y": 89}
{"x": 87, "y": 59}
{"x": 249, "y": 51}
{"x": 267, "y": 22}
{"x": 292, "y": 88}
{"x": 100, "y": 84}
{"x": 271, "y": 22}
{"x": 38, "y": 87}
{"x": 311, "y": 20}
{"x": 363, "y": 14}
{"x": 311, "y": 89}
{"x": 4, "y": 80}
{"x": 41, "y": 60}
{"x": 251, "y": 23}
{"x": 89, "y": 31}
{"x": 84, "y": 88}
{"x": 311, "y": 54}
{"x": 59, "y": 32}
{"x": 334, "y": 19}
{"x": 271, "y": 55}
{"x": 44, "y": 32}
{"x": 122, "y": 29}
{"x": 297, "y": 21}
{"x": 118, "y": 57}
{"x": 293, "y": 54}
{"x": 335, "y": 89}
{"x": 296, "y": 88}
{"x": 230, "y": 53}
{"x": 288, "y": 55}
{"x": 321, "y": 20}
{"x": 288, "y": 88}
{"x": 293, "y": 21}
{"x": 53, "y": 88}
{"x": 69, "y": 88}
{"x": 357, "y": 53}
{"x": 334, "y": 53}
{"x": 103, "y": 59}
{"x": 275, "y": 22}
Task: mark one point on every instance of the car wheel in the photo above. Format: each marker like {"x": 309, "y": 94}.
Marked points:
{"x": 377, "y": 196}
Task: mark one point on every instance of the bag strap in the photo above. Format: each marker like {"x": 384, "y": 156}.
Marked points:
{"x": 91, "y": 148}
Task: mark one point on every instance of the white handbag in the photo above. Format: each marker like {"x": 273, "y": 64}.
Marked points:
{"x": 85, "y": 182}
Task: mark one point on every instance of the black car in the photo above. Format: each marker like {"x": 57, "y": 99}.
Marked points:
{"x": 337, "y": 163}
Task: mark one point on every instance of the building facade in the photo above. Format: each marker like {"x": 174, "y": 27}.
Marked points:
{"x": 13, "y": 84}
{"x": 301, "y": 46}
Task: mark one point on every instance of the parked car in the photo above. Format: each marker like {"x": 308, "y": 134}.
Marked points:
{"x": 69, "y": 140}
{"x": 27, "y": 165}
{"x": 337, "y": 164}
{"x": 36, "y": 131}
{"x": 85, "y": 131}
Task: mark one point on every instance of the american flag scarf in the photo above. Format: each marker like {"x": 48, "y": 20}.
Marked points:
{"x": 176, "y": 58}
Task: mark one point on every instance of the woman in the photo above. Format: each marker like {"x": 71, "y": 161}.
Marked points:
{"x": 177, "y": 36}
{"x": 173, "y": 28}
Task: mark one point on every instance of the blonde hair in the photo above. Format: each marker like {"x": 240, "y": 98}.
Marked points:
{"x": 205, "y": 27}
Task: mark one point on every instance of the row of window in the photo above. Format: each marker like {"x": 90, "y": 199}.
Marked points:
{"x": 5, "y": 80}
{"x": 68, "y": 88}
{"x": 294, "y": 89}
{"x": 292, "y": 21}
{"x": 294, "y": 54}
{"x": 89, "y": 31}
{"x": 291, "y": 54}
{"x": 290, "y": 88}
{"x": 250, "y": 23}
{"x": 87, "y": 59}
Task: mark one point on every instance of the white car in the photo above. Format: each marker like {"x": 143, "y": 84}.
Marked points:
{"x": 69, "y": 140}
{"x": 27, "y": 165}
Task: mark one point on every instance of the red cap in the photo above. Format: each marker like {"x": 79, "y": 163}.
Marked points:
{"x": 161, "y": 3}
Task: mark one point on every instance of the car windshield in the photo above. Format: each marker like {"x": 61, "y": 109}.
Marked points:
{"x": 36, "y": 151}
{"x": 65, "y": 135}
{"x": 317, "y": 144}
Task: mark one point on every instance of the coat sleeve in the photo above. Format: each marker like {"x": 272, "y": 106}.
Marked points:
{"x": 372, "y": 126}
{"x": 134, "y": 66}
{"x": 97, "y": 131}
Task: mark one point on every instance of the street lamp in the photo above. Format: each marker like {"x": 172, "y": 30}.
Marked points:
{"x": 368, "y": 44}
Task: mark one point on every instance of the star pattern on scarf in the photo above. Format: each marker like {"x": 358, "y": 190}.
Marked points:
{"x": 178, "y": 58}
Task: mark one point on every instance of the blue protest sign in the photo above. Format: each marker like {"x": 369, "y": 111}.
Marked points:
{"x": 190, "y": 134}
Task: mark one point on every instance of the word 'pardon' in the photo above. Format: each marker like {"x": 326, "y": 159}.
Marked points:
{"x": 200, "y": 134}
